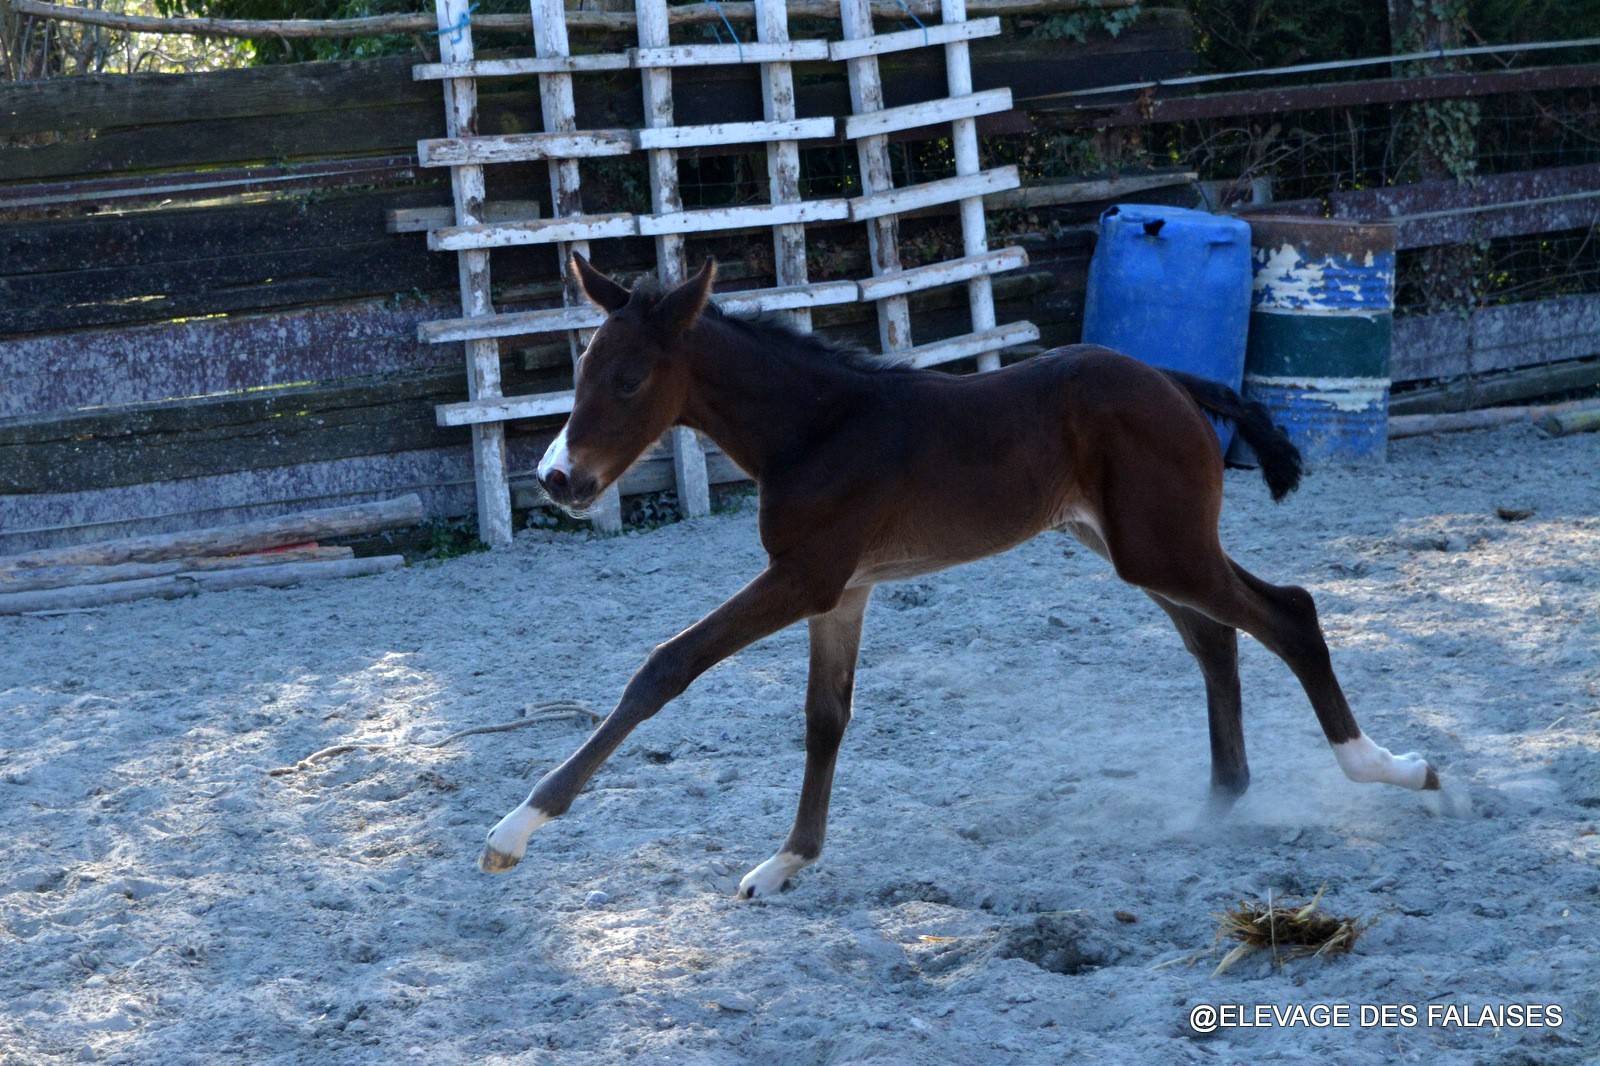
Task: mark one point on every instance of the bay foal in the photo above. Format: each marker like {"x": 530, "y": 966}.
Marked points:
{"x": 871, "y": 473}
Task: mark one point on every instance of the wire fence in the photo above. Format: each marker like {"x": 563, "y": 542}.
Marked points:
{"x": 1317, "y": 153}
{"x": 1506, "y": 270}
{"x": 1313, "y": 154}
{"x": 1301, "y": 155}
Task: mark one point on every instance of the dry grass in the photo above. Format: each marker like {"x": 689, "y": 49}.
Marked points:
{"x": 1288, "y": 928}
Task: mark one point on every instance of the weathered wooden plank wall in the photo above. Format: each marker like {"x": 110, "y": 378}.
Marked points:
{"x": 312, "y": 110}
{"x": 1428, "y": 213}
{"x": 1505, "y": 337}
{"x": 158, "y": 265}
{"x": 61, "y": 372}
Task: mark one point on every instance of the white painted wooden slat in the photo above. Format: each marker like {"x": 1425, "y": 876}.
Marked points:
{"x": 523, "y": 147}
{"x": 964, "y": 139}
{"x": 927, "y": 113}
{"x": 474, "y": 413}
{"x": 946, "y": 273}
{"x": 803, "y": 129}
{"x": 533, "y": 231}
{"x": 881, "y": 43}
{"x": 688, "y": 458}
{"x": 787, "y": 297}
{"x": 560, "y": 116}
{"x": 883, "y": 231}
{"x": 720, "y": 218}
{"x": 783, "y": 157}
{"x": 483, "y": 355}
{"x": 707, "y": 55}
{"x": 502, "y": 68}
{"x": 423, "y": 219}
{"x": 930, "y": 193}
{"x": 515, "y": 324}
{"x": 968, "y": 345}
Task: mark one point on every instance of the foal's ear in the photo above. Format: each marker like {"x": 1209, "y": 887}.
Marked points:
{"x": 599, "y": 288}
{"x": 678, "y": 309}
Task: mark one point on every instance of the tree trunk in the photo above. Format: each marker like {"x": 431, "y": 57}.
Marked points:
{"x": 1441, "y": 138}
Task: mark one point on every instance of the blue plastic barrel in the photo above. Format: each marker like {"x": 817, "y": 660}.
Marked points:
{"x": 1171, "y": 287}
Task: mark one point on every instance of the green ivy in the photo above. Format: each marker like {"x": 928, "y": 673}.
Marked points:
{"x": 1078, "y": 25}
{"x": 451, "y": 538}
{"x": 1447, "y": 136}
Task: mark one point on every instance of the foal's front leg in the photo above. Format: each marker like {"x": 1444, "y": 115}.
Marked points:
{"x": 778, "y": 597}
{"x": 835, "y": 640}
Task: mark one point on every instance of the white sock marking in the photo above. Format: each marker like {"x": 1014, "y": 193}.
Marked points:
{"x": 510, "y": 835}
{"x": 1362, "y": 760}
{"x": 555, "y": 457}
{"x": 766, "y": 879}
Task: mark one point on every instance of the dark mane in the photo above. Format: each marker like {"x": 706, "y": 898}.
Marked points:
{"x": 773, "y": 331}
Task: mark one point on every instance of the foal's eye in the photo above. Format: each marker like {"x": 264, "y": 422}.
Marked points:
{"x": 628, "y": 386}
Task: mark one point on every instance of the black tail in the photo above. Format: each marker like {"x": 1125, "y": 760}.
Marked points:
{"x": 1279, "y": 458}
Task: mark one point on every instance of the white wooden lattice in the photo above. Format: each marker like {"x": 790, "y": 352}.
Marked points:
{"x": 476, "y": 231}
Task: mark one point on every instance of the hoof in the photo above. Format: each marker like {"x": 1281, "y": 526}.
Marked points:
{"x": 1430, "y": 777}
{"x": 768, "y": 878}
{"x": 1220, "y": 803}
{"x": 491, "y": 861}
{"x": 509, "y": 839}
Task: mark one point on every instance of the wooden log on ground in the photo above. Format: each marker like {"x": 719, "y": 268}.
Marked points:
{"x": 1562, "y": 423}
{"x": 232, "y": 540}
{"x": 78, "y": 597}
{"x": 1497, "y": 389}
{"x": 53, "y": 577}
{"x": 1490, "y": 417}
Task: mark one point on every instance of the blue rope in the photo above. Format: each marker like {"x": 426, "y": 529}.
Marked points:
{"x": 728, "y": 24}
{"x": 463, "y": 24}
{"x": 908, "y": 11}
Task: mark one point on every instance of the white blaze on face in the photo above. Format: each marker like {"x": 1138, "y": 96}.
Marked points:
{"x": 1362, "y": 760}
{"x": 555, "y": 457}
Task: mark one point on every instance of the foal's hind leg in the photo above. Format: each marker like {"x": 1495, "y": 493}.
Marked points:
{"x": 1216, "y": 648}
{"x": 835, "y": 641}
{"x": 1284, "y": 618}
{"x": 1165, "y": 542}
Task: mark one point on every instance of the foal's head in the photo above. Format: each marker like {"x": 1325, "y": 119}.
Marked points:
{"x": 630, "y": 388}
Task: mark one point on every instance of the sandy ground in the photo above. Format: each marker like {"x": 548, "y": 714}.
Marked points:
{"x": 1028, "y": 757}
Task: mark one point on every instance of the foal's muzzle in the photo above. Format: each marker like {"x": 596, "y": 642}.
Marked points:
{"x": 554, "y": 482}
{"x": 571, "y": 492}
{"x": 567, "y": 486}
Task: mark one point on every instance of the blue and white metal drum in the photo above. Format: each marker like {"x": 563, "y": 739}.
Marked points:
{"x": 1321, "y": 328}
